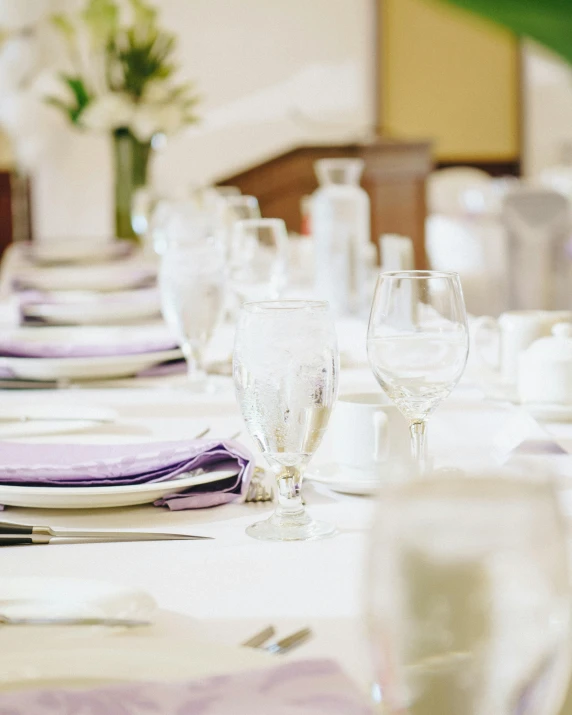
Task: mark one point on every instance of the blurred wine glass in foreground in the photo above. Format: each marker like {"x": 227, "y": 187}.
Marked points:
{"x": 469, "y": 597}
{"x": 418, "y": 343}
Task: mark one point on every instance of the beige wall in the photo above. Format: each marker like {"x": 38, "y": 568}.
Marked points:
{"x": 548, "y": 109}
{"x": 450, "y": 77}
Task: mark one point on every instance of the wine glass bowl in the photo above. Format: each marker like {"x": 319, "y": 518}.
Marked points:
{"x": 258, "y": 259}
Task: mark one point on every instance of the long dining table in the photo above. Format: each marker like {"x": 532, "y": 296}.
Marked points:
{"x": 234, "y": 585}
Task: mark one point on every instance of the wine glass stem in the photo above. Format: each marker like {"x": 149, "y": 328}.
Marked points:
{"x": 418, "y": 432}
{"x": 194, "y": 359}
{"x": 289, "y": 498}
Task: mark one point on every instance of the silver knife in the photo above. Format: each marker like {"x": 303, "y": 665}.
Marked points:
{"x": 79, "y": 621}
{"x": 13, "y": 534}
{"x": 55, "y": 418}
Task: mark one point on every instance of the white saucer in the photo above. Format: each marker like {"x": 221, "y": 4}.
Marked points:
{"x": 341, "y": 480}
{"x": 549, "y": 412}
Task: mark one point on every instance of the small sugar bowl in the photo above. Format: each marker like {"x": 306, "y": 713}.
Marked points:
{"x": 545, "y": 369}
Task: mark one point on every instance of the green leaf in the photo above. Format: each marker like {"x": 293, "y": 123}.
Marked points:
{"x": 546, "y": 21}
{"x": 81, "y": 97}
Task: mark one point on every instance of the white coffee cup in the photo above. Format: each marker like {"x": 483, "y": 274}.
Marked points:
{"x": 367, "y": 432}
{"x": 516, "y": 329}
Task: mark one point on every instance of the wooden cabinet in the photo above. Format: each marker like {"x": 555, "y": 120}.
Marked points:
{"x": 394, "y": 178}
{"x": 15, "y": 222}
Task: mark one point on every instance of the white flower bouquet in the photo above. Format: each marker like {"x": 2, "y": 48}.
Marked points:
{"x": 121, "y": 73}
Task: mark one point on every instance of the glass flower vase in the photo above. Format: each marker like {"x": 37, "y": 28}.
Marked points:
{"x": 131, "y": 163}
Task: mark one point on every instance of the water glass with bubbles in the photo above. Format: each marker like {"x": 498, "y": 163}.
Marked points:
{"x": 285, "y": 368}
{"x": 192, "y": 281}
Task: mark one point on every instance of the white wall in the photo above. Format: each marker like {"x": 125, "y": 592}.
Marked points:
{"x": 259, "y": 64}
{"x": 547, "y": 108}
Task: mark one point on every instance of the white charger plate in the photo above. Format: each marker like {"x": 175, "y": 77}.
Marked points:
{"x": 102, "y": 497}
{"x": 338, "y": 480}
{"x": 85, "y": 368}
{"x": 33, "y": 597}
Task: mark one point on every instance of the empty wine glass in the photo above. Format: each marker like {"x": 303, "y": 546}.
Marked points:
{"x": 468, "y": 598}
{"x": 192, "y": 282}
{"x": 230, "y": 209}
{"x": 418, "y": 343}
{"x": 258, "y": 258}
{"x": 285, "y": 369}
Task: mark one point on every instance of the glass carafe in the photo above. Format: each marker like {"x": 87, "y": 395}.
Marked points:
{"x": 340, "y": 227}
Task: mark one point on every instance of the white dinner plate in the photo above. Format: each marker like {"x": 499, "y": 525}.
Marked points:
{"x": 85, "y": 308}
{"x": 89, "y": 335}
{"x": 102, "y": 497}
{"x": 78, "y": 251}
{"x": 36, "y": 420}
{"x": 104, "y": 278}
{"x": 31, "y": 597}
{"x": 337, "y": 479}
{"x": 85, "y": 368}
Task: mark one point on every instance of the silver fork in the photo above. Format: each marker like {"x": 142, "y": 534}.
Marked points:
{"x": 257, "y": 491}
{"x": 284, "y": 645}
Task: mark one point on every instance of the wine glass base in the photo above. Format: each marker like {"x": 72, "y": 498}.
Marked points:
{"x": 275, "y": 529}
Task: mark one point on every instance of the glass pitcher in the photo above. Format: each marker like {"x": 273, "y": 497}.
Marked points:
{"x": 340, "y": 217}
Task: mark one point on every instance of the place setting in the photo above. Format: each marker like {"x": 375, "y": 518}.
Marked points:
{"x": 285, "y": 358}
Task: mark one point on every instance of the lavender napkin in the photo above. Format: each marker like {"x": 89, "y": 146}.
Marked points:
{"x": 87, "y": 465}
{"x": 310, "y": 687}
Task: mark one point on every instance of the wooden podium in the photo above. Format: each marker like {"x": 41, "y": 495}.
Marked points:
{"x": 394, "y": 177}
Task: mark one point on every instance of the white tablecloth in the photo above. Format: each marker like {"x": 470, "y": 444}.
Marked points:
{"x": 235, "y": 585}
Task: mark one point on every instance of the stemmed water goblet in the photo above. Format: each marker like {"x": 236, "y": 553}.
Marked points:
{"x": 418, "y": 343}
{"x": 192, "y": 280}
{"x": 258, "y": 259}
{"x": 285, "y": 368}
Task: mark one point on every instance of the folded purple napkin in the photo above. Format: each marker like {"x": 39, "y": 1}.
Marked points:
{"x": 89, "y": 465}
{"x": 308, "y": 687}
